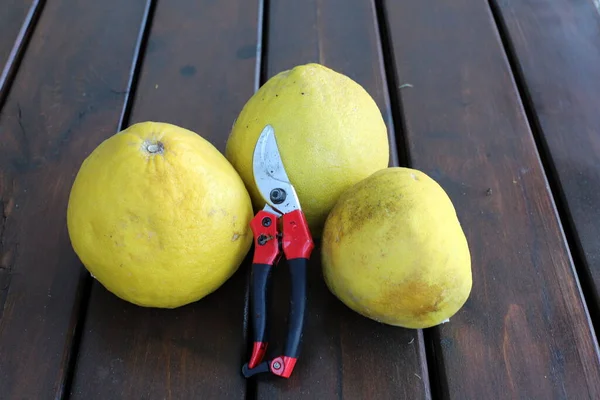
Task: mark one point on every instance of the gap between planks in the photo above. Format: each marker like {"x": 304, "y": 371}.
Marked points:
{"x": 20, "y": 46}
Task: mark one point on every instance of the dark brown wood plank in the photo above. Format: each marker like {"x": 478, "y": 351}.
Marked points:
{"x": 344, "y": 355}
{"x": 17, "y": 20}
{"x": 199, "y": 69}
{"x": 556, "y": 48}
{"x": 524, "y": 332}
{"x": 66, "y": 98}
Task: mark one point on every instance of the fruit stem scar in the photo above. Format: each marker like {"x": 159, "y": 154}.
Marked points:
{"x": 153, "y": 147}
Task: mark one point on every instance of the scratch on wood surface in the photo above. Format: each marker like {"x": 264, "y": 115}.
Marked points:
{"x": 119, "y": 91}
{"x": 7, "y": 204}
{"x": 22, "y": 127}
{"x": 7, "y": 257}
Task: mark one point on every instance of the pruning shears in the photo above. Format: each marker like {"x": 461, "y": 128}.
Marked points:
{"x": 282, "y": 207}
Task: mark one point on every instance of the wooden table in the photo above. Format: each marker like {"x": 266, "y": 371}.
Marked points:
{"x": 498, "y": 101}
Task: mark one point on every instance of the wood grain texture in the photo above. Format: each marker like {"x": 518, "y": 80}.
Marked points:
{"x": 344, "y": 355}
{"x": 66, "y": 98}
{"x": 524, "y": 332}
{"x": 557, "y": 50}
{"x": 17, "y": 20}
{"x": 199, "y": 69}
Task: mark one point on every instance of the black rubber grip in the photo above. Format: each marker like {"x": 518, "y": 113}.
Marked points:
{"x": 261, "y": 276}
{"x": 297, "y": 268}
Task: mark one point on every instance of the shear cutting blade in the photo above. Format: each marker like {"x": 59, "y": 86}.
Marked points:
{"x": 270, "y": 175}
{"x": 267, "y": 158}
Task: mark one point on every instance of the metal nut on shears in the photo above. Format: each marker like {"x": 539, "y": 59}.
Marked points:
{"x": 278, "y": 196}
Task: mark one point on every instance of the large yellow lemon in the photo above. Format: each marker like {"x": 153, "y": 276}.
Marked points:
{"x": 329, "y": 130}
{"x": 394, "y": 250}
{"x": 159, "y": 216}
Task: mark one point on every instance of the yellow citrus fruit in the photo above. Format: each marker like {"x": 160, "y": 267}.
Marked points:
{"x": 329, "y": 130}
{"x": 394, "y": 250}
{"x": 159, "y": 216}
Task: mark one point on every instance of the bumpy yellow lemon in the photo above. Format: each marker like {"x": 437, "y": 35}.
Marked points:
{"x": 394, "y": 250}
{"x": 159, "y": 216}
{"x": 329, "y": 130}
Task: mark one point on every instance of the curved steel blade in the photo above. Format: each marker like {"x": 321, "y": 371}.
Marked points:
{"x": 270, "y": 175}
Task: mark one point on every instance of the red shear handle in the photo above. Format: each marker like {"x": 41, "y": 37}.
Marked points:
{"x": 283, "y": 365}
{"x": 297, "y": 240}
{"x": 297, "y": 246}
{"x": 264, "y": 228}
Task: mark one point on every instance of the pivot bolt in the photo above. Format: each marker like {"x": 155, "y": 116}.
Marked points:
{"x": 278, "y": 196}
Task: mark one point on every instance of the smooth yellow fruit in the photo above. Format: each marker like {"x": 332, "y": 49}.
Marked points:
{"x": 329, "y": 130}
{"x": 159, "y": 216}
{"x": 394, "y": 251}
